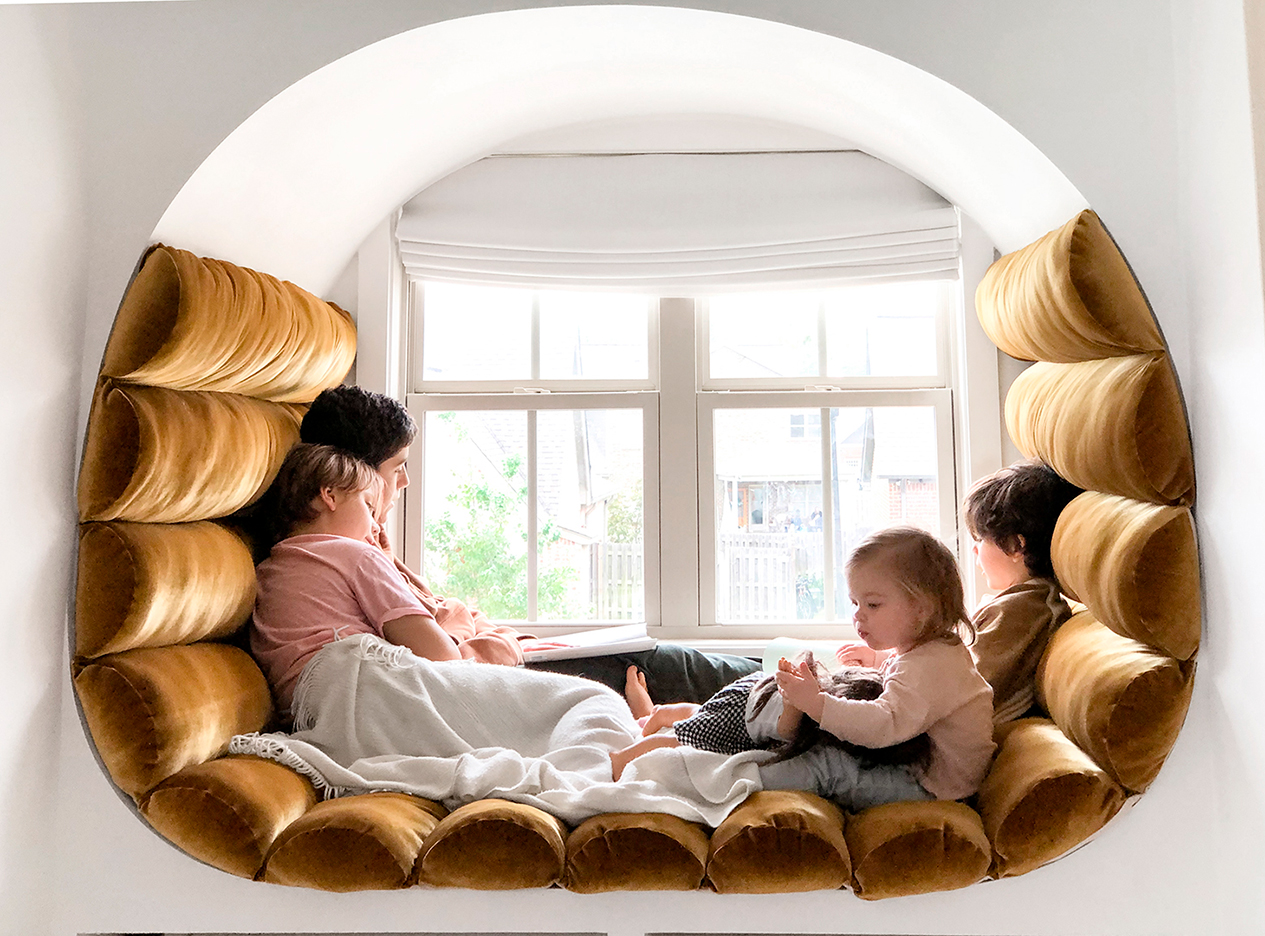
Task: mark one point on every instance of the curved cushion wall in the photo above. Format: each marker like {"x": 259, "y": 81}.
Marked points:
{"x": 228, "y": 812}
{"x": 1135, "y": 565}
{"x": 1042, "y": 797}
{"x": 168, "y": 456}
{"x": 1115, "y": 425}
{"x": 190, "y": 323}
{"x": 1067, "y": 297}
{"x": 149, "y": 585}
{"x": 494, "y": 845}
{"x": 900, "y": 849}
{"x": 153, "y": 712}
{"x": 635, "y": 851}
{"x": 1120, "y": 701}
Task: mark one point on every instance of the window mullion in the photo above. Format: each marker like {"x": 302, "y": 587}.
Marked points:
{"x": 827, "y": 515}
{"x": 533, "y": 539}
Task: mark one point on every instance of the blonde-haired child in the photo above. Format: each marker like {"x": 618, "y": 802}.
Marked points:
{"x": 326, "y": 578}
{"x": 911, "y": 617}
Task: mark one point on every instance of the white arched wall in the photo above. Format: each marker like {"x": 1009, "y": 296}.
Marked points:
{"x": 296, "y": 188}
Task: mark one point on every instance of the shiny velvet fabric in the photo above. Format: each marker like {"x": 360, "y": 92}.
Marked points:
{"x": 228, "y": 812}
{"x": 1043, "y": 797}
{"x": 169, "y": 456}
{"x": 494, "y": 845}
{"x": 1135, "y": 565}
{"x": 899, "y": 849}
{"x": 635, "y": 851}
{"x": 150, "y": 585}
{"x": 191, "y": 323}
{"x": 153, "y": 712}
{"x": 1067, "y": 297}
{"x": 1115, "y": 425}
{"x": 1120, "y": 701}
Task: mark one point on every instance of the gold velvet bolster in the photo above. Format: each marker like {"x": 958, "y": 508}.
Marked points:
{"x": 1135, "y": 565}
{"x": 900, "y": 849}
{"x": 153, "y": 712}
{"x": 1067, "y": 297}
{"x": 167, "y": 456}
{"x": 636, "y": 851}
{"x": 1042, "y": 797}
{"x": 494, "y": 845}
{"x": 150, "y": 585}
{"x": 189, "y": 323}
{"x": 1115, "y": 425}
{"x": 228, "y": 812}
{"x": 1120, "y": 701}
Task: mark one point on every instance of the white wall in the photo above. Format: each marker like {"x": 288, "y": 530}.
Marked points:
{"x": 1142, "y": 104}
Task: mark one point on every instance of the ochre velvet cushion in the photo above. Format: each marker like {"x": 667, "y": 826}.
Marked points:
{"x": 635, "y": 851}
{"x": 169, "y": 456}
{"x": 367, "y": 842}
{"x": 1042, "y": 797}
{"x": 1135, "y": 565}
{"x": 494, "y": 845}
{"x": 1115, "y": 425}
{"x": 916, "y": 848}
{"x": 228, "y": 812}
{"x": 777, "y": 842}
{"x": 1120, "y": 701}
{"x": 153, "y": 712}
{"x": 149, "y": 585}
{"x": 189, "y": 323}
{"x": 1069, "y": 296}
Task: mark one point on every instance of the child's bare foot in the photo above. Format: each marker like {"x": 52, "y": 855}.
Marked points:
{"x": 636, "y": 693}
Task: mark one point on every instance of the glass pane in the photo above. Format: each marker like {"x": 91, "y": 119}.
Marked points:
{"x": 769, "y": 541}
{"x": 590, "y": 515}
{"x": 593, "y": 335}
{"x": 476, "y": 510}
{"x": 475, "y": 333}
{"x": 886, "y": 474}
{"x": 763, "y": 334}
{"x": 886, "y": 330}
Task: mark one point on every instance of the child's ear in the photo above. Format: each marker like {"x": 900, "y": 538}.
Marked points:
{"x": 1021, "y": 544}
{"x": 328, "y": 499}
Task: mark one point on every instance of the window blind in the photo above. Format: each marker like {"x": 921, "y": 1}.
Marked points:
{"x": 680, "y": 223}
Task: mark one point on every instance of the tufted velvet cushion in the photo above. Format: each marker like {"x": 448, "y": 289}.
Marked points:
{"x": 1115, "y": 425}
{"x": 148, "y": 585}
{"x": 494, "y": 845}
{"x": 190, "y": 323}
{"x": 1135, "y": 565}
{"x": 1042, "y": 797}
{"x": 636, "y": 851}
{"x": 153, "y": 712}
{"x": 779, "y": 841}
{"x": 915, "y": 848}
{"x": 1069, "y": 296}
{"x": 228, "y": 812}
{"x": 1120, "y": 701}
{"x": 368, "y": 842}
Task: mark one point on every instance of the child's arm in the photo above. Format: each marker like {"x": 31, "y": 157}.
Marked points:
{"x": 422, "y": 635}
{"x": 665, "y": 716}
{"x": 858, "y": 653}
{"x": 799, "y": 687}
{"x": 621, "y": 759}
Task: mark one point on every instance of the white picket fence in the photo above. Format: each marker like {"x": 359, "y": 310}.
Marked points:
{"x": 619, "y": 571}
{"x": 756, "y": 573}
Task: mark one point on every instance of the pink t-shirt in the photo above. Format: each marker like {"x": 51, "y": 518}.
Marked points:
{"x": 316, "y": 588}
{"x": 933, "y": 688}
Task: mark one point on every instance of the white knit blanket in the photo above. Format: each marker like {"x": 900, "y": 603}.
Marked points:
{"x": 371, "y": 716}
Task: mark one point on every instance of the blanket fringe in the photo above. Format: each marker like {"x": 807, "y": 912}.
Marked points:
{"x": 275, "y": 750}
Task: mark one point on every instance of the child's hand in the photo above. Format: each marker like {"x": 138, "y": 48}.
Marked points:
{"x": 856, "y": 653}
{"x": 799, "y": 687}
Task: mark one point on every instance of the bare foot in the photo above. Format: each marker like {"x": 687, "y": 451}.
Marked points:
{"x": 637, "y": 694}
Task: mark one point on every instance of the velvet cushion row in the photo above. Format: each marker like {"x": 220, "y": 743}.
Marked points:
{"x": 1136, "y": 565}
{"x": 1069, "y": 296}
{"x": 171, "y": 456}
{"x": 190, "y": 323}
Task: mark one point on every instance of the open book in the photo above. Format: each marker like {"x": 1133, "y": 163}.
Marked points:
{"x": 601, "y": 641}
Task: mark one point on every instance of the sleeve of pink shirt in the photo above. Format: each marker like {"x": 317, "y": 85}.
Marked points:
{"x": 381, "y": 592}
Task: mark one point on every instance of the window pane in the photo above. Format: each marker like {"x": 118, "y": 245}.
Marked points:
{"x": 769, "y": 541}
{"x": 475, "y": 333}
{"x": 589, "y": 486}
{"x": 593, "y": 335}
{"x": 476, "y": 510}
{"x": 887, "y": 330}
{"x": 763, "y": 334}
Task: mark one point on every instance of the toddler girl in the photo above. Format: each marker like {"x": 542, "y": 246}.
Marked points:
{"x": 327, "y": 578}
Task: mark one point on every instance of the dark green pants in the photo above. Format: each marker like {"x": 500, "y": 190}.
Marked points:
{"x": 673, "y": 673}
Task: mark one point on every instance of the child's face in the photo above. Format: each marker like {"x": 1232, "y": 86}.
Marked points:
{"x": 887, "y": 617}
{"x": 1001, "y": 569}
{"x": 351, "y": 513}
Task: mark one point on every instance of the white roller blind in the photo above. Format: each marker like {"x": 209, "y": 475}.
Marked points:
{"x": 681, "y": 223}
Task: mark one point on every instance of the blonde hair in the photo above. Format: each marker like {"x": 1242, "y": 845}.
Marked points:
{"x": 924, "y": 568}
{"x": 306, "y": 469}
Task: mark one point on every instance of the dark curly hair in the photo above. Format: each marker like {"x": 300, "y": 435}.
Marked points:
{"x": 368, "y": 425}
{"x": 1016, "y": 509}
